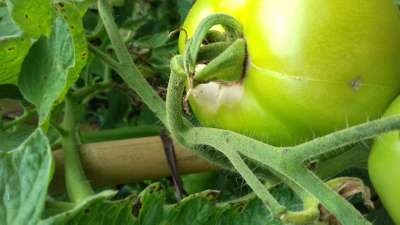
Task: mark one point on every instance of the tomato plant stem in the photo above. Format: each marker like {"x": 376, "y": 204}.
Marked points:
{"x": 106, "y": 58}
{"x": 323, "y": 145}
{"x": 58, "y": 206}
{"x": 127, "y": 68}
{"x": 90, "y": 90}
{"x": 78, "y": 187}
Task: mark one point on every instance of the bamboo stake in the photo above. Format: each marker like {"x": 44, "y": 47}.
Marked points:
{"x": 128, "y": 161}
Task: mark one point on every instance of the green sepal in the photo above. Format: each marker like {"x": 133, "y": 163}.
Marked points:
{"x": 210, "y": 51}
{"x": 227, "y": 67}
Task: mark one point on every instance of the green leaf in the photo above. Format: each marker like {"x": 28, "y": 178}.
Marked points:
{"x": 11, "y": 140}
{"x": 150, "y": 208}
{"x": 24, "y": 177}
{"x": 96, "y": 210}
{"x": 13, "y": 50}
{"x": 34, "y": 17}
{"x": 46, "y": 69}
{"x": 73, "y": 18}
{"x": 199, "y": 209}
{"x": 52, "y": 65}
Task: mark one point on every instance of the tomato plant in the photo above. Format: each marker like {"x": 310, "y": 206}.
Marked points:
{"x": 93, "y": 128}
{"x": 312, "y": 67}
{"x": 383, "y": 166}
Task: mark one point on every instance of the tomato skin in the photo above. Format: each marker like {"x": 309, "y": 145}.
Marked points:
{"x": 314, "y": 67}
{"x": 384, "y": 167}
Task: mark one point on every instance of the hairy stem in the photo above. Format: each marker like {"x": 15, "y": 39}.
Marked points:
{"x": 85, "y": 92}
{"x": 336, "y": 204}
{"x": 78, "y": 187}
{"x": 296, "y": 176}
{"x": 323, "y": 145}
{"x": 127, "y": 68}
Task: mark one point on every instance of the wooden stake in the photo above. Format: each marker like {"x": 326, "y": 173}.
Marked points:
{"x": 128, "y": 161}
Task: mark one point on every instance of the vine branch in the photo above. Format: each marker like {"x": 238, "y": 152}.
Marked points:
{"x": 352, "y": 135}
{"x": 126, "y": 68}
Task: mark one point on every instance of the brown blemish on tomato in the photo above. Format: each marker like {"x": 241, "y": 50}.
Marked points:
{"x": 356, "y": 83}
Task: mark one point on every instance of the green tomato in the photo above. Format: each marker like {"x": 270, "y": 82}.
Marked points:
{"x": 384, "y": 167}
{"x": 313, "y": 67}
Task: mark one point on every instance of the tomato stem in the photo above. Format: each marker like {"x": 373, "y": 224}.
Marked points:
{"x": 326, "y": 144}
{"x": 125, "y": 66}
{"x": 77, "y": 185}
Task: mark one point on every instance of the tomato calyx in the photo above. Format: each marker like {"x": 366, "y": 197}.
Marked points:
{"x": 228, "y": 67}
{"x": 213, "y": 56}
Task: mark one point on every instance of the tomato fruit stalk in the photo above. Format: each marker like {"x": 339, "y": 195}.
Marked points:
{"x": 311, "y": 67}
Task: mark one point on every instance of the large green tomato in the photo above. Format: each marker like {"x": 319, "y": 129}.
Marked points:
{"x": 384, "y": 167}
{"x": 314, "y": 67}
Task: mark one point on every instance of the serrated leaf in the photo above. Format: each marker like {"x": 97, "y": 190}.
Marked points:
{"x": 199, "y": 209}
{"x": 150, "y": 208}
{"x": 34, "y": 17}
{"x": 13, "y": 50}
{"x": 45, "y": 71}
{"x": 24, "y": 177}
{"x": 96, "y": 210}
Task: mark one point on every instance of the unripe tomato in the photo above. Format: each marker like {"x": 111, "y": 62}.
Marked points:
{"x": 313, "y": 67}
{"x": 384, "y": 167}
